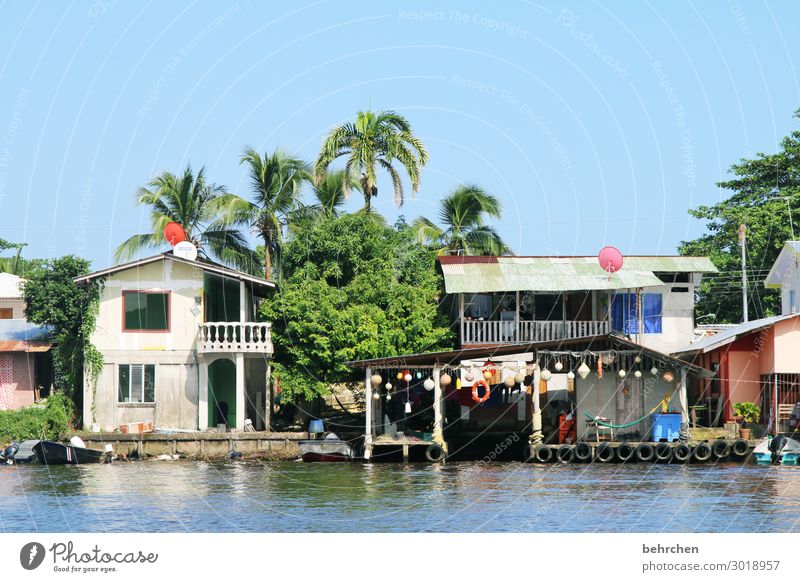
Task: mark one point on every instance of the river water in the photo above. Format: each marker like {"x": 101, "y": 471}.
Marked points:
{"x": 255, "y": 496}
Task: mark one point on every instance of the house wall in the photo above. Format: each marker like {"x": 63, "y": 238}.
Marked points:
{"x": 18, "y": 306}
{"x": 677, "y": 319}
{"x": 172, "y": 352}
{"x": 786, "y": 346}
{"x": 24, "y": 378}
{"x": 603, "y": 396}
{"x": 790, "y": 281}
{"x": 744, "y": 375}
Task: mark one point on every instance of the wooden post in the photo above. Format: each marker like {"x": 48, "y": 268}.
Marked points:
{"x": 536, "y": 412}
{"x": 461, "y": 318}
{"x": 517, "y": 335}
{"x": 684, "y": 400}
{"x": 438, "y": 409}
{"x": 368, "y": 420}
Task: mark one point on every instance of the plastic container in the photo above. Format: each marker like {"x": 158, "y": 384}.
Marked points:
{"x": 566, "y": 429}
{"x": 666, "y": 427}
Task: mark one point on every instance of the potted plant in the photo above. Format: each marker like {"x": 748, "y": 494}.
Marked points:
{"x": 749, "y": 412}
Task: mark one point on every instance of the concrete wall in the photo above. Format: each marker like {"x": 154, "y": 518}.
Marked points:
{"x": 787, "y": 346}
{"x": 677, "y": 320}
{"x": 22, "y": 384}
{"x": 17, "y": 305}
{"x": 744, "y": 373}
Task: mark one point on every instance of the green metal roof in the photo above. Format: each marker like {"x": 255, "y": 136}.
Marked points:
{"x": 556, "y": 274}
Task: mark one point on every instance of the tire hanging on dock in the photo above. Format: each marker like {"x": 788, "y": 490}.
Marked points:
{"x": 565, "y": 454}
{"x": 604, "y": 453}
{"x": 529, "y": 453}
{"x": 664, "y": 452}
{"x": 624, "y": 452}
{"x": 721, "y": 449}
{"x": 583, "y": 452}
{"x": 740, "y": 448}
{"x": 682, "y": 453}
{"x": 702, "y": 453}
{"x": 544, "y": 454}
{"x": 645, "y": 453}
{"x": 434, "y": 453}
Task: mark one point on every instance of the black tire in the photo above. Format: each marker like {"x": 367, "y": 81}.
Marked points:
{"x": 701, "y": 453}
{"x": 664, "y": 452}
{"x": 583, "y": 452}
{"x": 565, "y": 454}
{"x": 544, "y": 454}
{"x": 624, "y": 452}
{"x": 740, "y": 448}
{"x": 682, "y": 453}
{"x": 529, "y": 453}
{"x": 645, "y": 453}
{"x": 721, "y": 449}
{"x": 604, "y": 453}
{"x": 434, "y": 453}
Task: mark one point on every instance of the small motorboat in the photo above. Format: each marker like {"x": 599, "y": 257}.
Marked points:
{"x": 53, "y": 453}
{"x": 777, "y": 450}
{"x": 19, "y": 453}
{"x": 330, "y": 449}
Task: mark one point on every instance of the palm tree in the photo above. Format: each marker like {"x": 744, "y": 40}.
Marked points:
{"x": 14, "y": 265}
{"x": 462, "y": 213}
{"x": 276, "y": 181}
{"x": 375, "y": 140}
{"x": 201, "y": 208}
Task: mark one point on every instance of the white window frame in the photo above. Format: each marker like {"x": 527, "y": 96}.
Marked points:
{"x": 130, "y": 381}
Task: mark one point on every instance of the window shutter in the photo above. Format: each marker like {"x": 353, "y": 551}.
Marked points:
{"x": 137, "y": 383}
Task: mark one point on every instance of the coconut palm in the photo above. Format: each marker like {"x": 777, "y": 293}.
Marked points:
{"x": 275, "y": 181}
{"x": 14, "y": 265}
{"x": 202, "y": 209}
{"x": 462, "y": 214}
{"x": 376, "y": 140}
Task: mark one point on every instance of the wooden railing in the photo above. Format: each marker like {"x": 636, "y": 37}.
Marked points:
{"x": 231, "y": 336}
{"x": 513, "y": 332}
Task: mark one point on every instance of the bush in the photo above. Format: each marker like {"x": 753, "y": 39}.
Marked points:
{"x": 749, "y": 411}
{"x": 40, "y": 421}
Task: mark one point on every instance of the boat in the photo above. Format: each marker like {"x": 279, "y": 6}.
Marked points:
{"x": 778, "y": 450}
{"x": 330, "y": 449}
{"x": 53, "y": 453}
{"x": 19, "y": 453}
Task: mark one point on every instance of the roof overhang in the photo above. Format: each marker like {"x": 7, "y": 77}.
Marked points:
{"x": 590, "y": 343}
{"x": 205, "y": 265}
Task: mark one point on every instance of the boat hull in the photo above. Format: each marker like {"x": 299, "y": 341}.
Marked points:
{"x": 326, "y": 451}
{"x": 52, "y": 453}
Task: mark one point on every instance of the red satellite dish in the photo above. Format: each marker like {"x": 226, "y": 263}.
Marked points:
{"x": 610, "y": 259}
{"x": 174, "y": 233}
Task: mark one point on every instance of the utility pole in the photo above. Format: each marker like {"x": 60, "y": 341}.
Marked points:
{"x": 742, "y": 231}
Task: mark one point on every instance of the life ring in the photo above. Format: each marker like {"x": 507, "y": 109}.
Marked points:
{"x": 486, "y": 393}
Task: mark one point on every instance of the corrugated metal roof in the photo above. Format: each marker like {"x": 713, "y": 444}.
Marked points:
{"x": 556, "y": 274}
{"x": 726, "y": 336}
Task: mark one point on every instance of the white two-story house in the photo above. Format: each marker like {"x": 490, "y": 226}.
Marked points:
{"x": 785, "y": 275}
{"x": 508, "y": 299}
{"x": 181, "y": 348}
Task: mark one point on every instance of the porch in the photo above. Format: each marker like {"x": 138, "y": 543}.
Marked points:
{"x": 234, "y": 336}
{"x": 476, "y": 332}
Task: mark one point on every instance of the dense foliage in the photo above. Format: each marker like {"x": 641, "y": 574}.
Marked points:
{"x": 41, "y": 421}
{"x": 761, "y": 188}
{"x": 53, "y": 298}
{"x": 352, "y": 289}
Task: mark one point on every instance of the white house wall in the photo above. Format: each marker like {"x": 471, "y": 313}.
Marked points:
{"x": 677, "y": 319}
{"x": 16, "y": 305}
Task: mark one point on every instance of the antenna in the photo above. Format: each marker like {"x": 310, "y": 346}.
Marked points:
{"x": 789, "y": 210}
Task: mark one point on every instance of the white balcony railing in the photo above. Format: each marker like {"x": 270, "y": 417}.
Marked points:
{"x": 511, "y": 332}
{"x": 231, "y": 336}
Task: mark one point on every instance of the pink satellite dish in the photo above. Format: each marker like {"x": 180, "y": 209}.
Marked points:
{"x": 610, "y": 259}
{"x": 174, "y": 233}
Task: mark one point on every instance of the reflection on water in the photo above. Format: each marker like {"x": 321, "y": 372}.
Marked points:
{"x": 257, "y": 496}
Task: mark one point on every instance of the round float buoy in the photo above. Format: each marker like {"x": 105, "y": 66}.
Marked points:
{"x": 645, "y": 453}
{"x": 663, "y": 452}
{"x": 565, "y": 454}
{"x": 583, "y": 452}
{"x": 434, "y": 453}
{"x": 543, "y": 454}
{"x": 624, "y": 452}
{"x": 682, "y": 453}
{"x": 604, "y": 453}
{"x": 740, "y": 448}
{"x": 721, "y": 449}
{"x": 702, "y": 453}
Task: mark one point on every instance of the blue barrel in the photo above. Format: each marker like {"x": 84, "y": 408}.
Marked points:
{"x": 315, "y": 426}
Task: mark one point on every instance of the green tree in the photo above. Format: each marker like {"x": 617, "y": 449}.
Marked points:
{"x": 203, "y": 210}
{"x": 760, "y": 188}
{"x": 53, "y": 298}
{"x": 352, "y": 289}
{"x": 275, "y": 182}
{"x": 376, "y": 140}
{"x": 463, "y": 215}
{"x": 14, "y": 264}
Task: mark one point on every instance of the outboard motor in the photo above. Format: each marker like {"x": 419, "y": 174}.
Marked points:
{"x": 776, "y": 447}
{"x": 7, "y": 454}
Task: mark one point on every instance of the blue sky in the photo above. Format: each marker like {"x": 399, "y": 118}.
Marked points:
{"x": 594, "y": 123}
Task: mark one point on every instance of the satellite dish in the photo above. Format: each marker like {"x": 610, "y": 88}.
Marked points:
{"x": 185, "y": 250}
{"x": 174, "y": 233}
{"x": 610, "y": 259}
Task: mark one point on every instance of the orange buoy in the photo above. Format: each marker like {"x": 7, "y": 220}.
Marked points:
{"x": 486, "y": 391}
